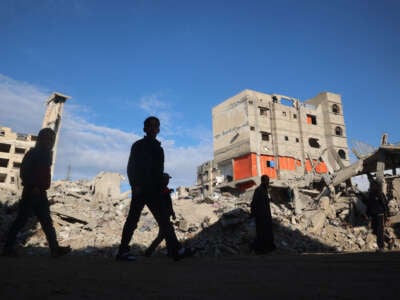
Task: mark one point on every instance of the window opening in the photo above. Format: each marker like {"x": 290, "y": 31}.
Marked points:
{"x": 265, "y": 136}
{"x": 313, "y": 143}
{"x": 311, "y": 119}
{"x": 338, "y": 131}
{"x": 297, "y": 140}
{"x": 16, "y": 165}
{"x": 5, "y": 147}
{"x": 286, "y": 138}
{"x": 19, "y": 150}
{"x": 3, "y": 162}
{"x": 263, "y": 111}
{"x": 252, "y": 128}
{"x": 335, "y": 109}
{"x": 3, "y": 177}
{"x": 287, "y": 102}
{"x": 284, "y": 113}
{"x": 294, "y": 116}
{"x": 342, "y": 154}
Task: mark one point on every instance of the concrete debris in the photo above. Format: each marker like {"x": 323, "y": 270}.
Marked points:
{"x": 89, "y": 217}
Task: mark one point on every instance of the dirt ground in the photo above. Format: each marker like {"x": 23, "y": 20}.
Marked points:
{"x": 274, "y": 276}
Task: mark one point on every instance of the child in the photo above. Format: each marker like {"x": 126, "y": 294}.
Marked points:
{"x": 167, "y": 202}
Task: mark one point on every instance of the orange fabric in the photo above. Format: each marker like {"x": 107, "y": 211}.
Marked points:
{"x": 308, "y": 166}
{"x": 253, "y": 164}
{"x": 321, "y": 168}
{"x": 287, "y": 163}
{"x": 242, "y": 167}
{"x": 269, "y": 171}
{"x": 309, "y": 119}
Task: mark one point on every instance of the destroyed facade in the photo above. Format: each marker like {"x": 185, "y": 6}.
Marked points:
{"x": 256, "y": 133}
{"x": 13, "y": 146}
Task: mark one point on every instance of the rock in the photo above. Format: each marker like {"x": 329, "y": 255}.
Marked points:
{"x": 393, "y": 207}
{"x": 236, "y": 216}
{"x": 324, "y": 203}
{"x": 317, "y": 221}
{"x": 183, "y": 225}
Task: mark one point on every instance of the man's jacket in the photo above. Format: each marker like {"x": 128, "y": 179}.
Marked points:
{"x": 146, "y": 164}
{"x": 35, "y": 169}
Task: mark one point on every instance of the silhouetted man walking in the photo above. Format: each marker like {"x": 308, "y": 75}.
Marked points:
{"x": 145, "y": 171}
{"x": 260, "y": 209}
{"x": 35, "y": 174}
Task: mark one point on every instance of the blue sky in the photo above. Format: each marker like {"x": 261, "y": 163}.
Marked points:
{"x": 123, "y": 60}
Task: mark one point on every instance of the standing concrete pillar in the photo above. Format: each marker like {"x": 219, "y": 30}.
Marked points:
{"x": 52, "y": 118}
{"x": 380, "y": 168}
{"x": 258, "y": 138}
{"x": 274, "y": 136}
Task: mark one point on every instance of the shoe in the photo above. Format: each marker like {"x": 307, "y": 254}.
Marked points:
{"x": 9, "y": 252}
{"x": 181, "y": 254}
{"x": 148, "y": 252}
{"x": 265, "y": 250}
{"x": 126, "y": 256}
{"x": 60, "y": 251}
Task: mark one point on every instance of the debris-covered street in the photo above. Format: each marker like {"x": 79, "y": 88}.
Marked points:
{"x": 282, "y": 276}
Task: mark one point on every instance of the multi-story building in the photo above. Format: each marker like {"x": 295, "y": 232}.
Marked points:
{"x": 13, "y": 146}
{"x": 208, "y": 176}
{"x": 256, "y": 133}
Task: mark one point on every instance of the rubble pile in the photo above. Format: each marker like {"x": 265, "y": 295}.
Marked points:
{"x": 91, "y": 222}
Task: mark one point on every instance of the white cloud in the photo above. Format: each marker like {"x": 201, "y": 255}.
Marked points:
{"x": 22, "y": 105}
{"x": 90, "y": 148}
{"x": 155, "y": 105}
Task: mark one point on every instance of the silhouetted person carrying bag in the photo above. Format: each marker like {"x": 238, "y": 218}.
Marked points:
{"x": 145, "y": 170}
{"x": 260, "y": 209}
{"x": 35, "y": 174}
{"x": 167, "y": 202}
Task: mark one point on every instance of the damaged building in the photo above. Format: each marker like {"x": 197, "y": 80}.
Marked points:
{"x": 13, "y": 146}
{"x": 256, "y": 133}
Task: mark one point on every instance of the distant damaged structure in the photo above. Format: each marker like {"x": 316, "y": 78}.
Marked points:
{"x": 378, "y": 162}
{"x": 256, "y": 133}
{"x": 13, "y": 146}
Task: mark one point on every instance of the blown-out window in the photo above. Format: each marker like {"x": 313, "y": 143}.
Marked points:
{"x": 342, "y": 154}
{"x": 338, "y": 131}
{"x": 265, "y": 136}
{"x": 263, "y": 111}
{"x": 335, "y": 109}
{"x": 311, "y": 119}
{"x": 313, "y": 142}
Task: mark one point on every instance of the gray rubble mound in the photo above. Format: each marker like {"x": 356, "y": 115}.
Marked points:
{"x": 91, "y": 222}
